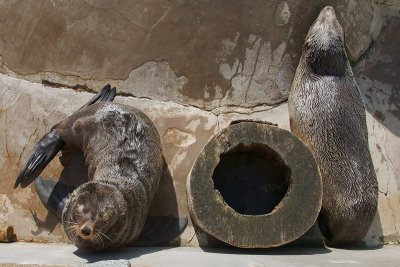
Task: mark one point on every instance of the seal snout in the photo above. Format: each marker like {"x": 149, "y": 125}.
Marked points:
{"x": 327, "y": 14}
{"x": 326, "y": 34}
{"x": 85, "y": 231}
{"x": 328, "y": 11}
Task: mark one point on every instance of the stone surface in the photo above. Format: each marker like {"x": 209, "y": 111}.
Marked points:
{"x": 203, "y": 53}
{"x": 183, "y": 130}
{"x": 108, "y": 263}
{"x": 378, "y": 76}
{"x": 193, "y": 67}
{"x": 395, "y": 3}
{"x": 67, "y": 255}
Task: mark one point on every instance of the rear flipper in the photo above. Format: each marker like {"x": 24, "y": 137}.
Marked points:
{"x": 159, "y": 230}
{"x": 50, "y": 144}
{"x": 45, "y": 150}
{"x": 106, "y": 94}
{"x": 54, "y": 195}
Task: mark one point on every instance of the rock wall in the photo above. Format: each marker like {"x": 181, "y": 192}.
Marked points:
{"x": 193, "y": 66}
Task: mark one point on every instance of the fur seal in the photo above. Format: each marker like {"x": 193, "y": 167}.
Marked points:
{"x": 123, "y": 155}
{"x": 327, "y": 112}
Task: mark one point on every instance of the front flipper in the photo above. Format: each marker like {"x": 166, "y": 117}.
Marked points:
{"x": 106, "y": 94}
{"x": 45, "y": 150}
{"x": 160, "y": 229}
{"x": 53, "y": 195}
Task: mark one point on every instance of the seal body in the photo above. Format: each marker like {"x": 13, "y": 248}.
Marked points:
{"x": 327, "y": 113}
{"x": 105, "y": 203}
{"x": 123, "y": 154}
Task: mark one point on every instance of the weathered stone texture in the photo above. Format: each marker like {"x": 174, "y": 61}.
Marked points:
{"x": 203, "y": 53}
{"x": 193, "y": 67}
{"x": 378, "y": 76}
{"x": 28, "y": 110}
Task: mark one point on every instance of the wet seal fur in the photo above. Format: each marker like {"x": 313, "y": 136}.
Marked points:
{"x": 122, "y": 151}
{"x": 327, "y": 113}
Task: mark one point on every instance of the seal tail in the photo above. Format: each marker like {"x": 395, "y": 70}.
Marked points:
{"x": 159, "y": 230}
{"x": 53, "y": 195}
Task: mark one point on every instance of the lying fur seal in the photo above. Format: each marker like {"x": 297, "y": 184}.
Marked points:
{"x": 122, "y": 150}
{"x": 327, "y": 113}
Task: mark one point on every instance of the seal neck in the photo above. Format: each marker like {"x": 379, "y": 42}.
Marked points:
{"x": 326, "y": 63}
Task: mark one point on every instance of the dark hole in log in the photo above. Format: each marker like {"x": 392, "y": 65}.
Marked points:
{"x": 252, "y": 179}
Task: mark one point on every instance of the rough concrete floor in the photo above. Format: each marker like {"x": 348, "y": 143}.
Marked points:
{"x": 62, "y": 254}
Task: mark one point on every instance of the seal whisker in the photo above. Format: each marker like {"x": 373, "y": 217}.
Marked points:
{"x": 103, "y": 234}
{"x": 71, "y": 230}
{"x": 70, "y": 222}
{"x": 71, "y": 226}
{"x": 98, "y": 240}
{"x": 102, "y": 241}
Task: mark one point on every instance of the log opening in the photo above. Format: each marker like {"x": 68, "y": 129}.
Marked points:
{"x": 254, "y": 172}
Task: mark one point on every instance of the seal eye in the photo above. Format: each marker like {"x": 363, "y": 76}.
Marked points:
{"x": 77, "y": 211}
{"x": 104, "y": 216}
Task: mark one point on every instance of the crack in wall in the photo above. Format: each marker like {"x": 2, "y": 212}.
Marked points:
{"x": 6, "y": 135}
{"x": 385, "y": 193}
{"x": 191, "y": 239}
{"x": 394, "y": 216}
{"x": 365, "y": 54}
{"x": 227, "y": 109}
{"x": 390, "y": 167}
{"x": 85, "y": 83}
{"x": 254, "y": 69}
{"x": 77, "y": 87}
{"x": 148, "y": 35}
{"x": 388, "y": 160}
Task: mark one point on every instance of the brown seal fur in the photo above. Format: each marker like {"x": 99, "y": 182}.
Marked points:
{"x": 123, "y": 153}
{"x": 106, "y": 207}
{"x": 327, "y": 113}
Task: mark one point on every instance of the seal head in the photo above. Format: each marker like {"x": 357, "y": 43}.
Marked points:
{"x": 323, "y": 48}
{"x": 95, "y": 222}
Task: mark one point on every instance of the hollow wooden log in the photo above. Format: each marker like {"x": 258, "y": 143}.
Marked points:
{"x": 7, "y": 234}
{"x": 255, "y": 185}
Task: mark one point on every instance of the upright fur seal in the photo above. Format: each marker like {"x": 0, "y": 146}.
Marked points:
{"x": 327, "y": 113}
{"x": 122, "y": 150}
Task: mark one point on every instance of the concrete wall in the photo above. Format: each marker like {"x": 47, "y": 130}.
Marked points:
{"x": 192, "y": 66}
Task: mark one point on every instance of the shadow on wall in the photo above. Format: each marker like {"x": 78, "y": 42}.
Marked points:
{"x": 165, "y": 202}
{"x": 74, "y": 173}
{"x": 374, "y": 238}
{"x": 378, "y": 76}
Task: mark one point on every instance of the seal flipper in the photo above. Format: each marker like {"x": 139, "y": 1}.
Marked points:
{"x": 160, "y": 229}
{"x": 45, "y": 150}
{"x": 54, "y": 195}
{"x": 106, "y": 94}
{"x": 50, "y": 144}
